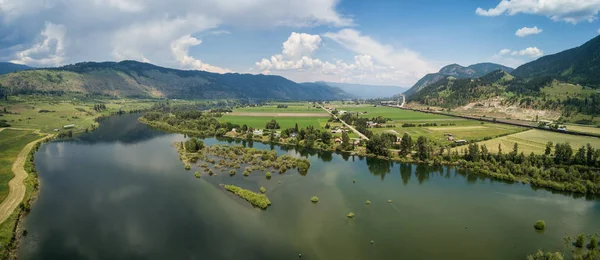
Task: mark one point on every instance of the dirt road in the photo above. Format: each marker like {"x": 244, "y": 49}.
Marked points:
{"x": 362, "y": 136}
{"x": 16, "y": 185}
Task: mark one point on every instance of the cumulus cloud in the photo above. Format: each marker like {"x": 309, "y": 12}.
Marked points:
{"x": 373, "y": 62}
{"x": 49, "y": 51}
{"x": 570, "y": 11}
{"x": 180, "y": 49}
{"x": 514, "y": 58}
{"x": 132, "y": 29}
{"x": 526, "y": 31}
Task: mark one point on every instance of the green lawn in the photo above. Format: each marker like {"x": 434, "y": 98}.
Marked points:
{"x": 292, "y": 108}
{"x": 392, "y": 113}
{"x": 11, "y": 143}
{"x": 535, "y": 141}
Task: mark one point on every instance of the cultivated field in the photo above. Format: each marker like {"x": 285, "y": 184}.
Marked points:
{"x": 459, "y": 128}
{"x": 291, "y": 108}
{"x": 584, "y": 129}
{"x": 284, "y": 122}
{"x": 535, "y": 141}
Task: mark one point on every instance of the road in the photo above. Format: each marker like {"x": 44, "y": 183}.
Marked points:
{"x": 16, "y": 185}
{"x": 347, "y": 125}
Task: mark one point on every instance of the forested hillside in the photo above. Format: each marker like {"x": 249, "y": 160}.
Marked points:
{"x": 136, "y": 79}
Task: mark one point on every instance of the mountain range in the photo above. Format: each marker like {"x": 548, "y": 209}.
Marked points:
{"x": 7, "y": 67}
{"x": 456, "y": 71}
{"x": 137, "y": 79}
{"x": 366, "y": 91}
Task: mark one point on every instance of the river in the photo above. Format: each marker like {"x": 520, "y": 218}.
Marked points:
{"x": 121, "y": 192}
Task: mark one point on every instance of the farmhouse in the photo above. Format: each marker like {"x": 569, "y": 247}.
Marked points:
{"x": 257, "y": 132}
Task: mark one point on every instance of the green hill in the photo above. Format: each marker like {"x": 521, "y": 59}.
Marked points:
{"x": 136, "y": 79}
{"x": 7, "y": 67}
{"x": 579, "y": 65}
{"x": 457, "y": 71}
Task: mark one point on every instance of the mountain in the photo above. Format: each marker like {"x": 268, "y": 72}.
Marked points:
{"x": 366, "y": 91}
{"x": 452, "y": 92}
{"x": 7, "y": 67}
{"x": 136, "y": 79}
{"x": 457, "y": 71}
{"x": 578, "y": 65}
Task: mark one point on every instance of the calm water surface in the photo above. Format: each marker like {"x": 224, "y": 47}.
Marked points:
{"x": 122, "y": 193}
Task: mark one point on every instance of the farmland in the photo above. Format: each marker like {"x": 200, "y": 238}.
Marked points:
{"x": 11, "y": 143}
{"x": 433, "y": 126}
{"x": 535, "y": 141}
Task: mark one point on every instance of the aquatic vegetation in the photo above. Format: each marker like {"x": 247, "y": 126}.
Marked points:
{"x": 593, "y": 242}
{"x": 368, "y": 202}
{"x": 353, "y": 180}
{"x": 197, "y": 174}
{"x": 231, "y": 172}
{"x": 372, "y": 242}
{"x": 257, "y": 200}
{"x": 580, "y": 242}
{"x": 389, "y": 201}
{"x": 314, "y": 199}
{"x": 268, "y": 175}
{"x": 540, "y": 225}
{"x": 188, "y": 167}
{"x": 263, "y": 190}
{"x": 246, "y": 173}
{"x": 350, "y": 215}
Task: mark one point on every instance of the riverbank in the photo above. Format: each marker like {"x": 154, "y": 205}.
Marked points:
{"x": 535, "y": 171}
{"x": 24, "y": 188}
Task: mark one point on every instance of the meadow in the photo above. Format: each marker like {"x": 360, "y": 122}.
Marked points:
{"x": 49, "y": 113}
{"x": 291, "y": 108}
{"x": 11, "y": 143}
{"x": 535, "y": 141}
{"x": 284, "y": 122}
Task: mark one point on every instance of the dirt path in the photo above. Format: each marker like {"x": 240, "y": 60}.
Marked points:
{"x": 347, "y": 125}
{"x": 16, "y": 185}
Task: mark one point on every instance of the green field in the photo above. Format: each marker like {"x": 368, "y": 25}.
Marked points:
{"x": 392, "y": 113}
{"x": 559, "y": 90}
{"x": 292, "y": 108}
{"x": 11, "y": 143}
{"x": 259, "y": 122}
{"x": 584, "y": 129}
{"x": 535, "y": 141}
{"x": 49, "y": 113}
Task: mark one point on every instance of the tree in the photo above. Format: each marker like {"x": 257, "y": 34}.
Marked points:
{"x": 548, "y": 148}
{"x": 406, "y": 145}
{"x": 244, "y": 128}
{"x": 272, "y": 124}
{"x": 580, "y": 157}
{"x": 378, "y": 145}
{"x": 326, "y": 137}
{"x": 474, "y": 154}
{"x": 296, "y": 128}
{"x": 422, "y": 148}
{"x": 580, "y": 242}
{"x": 193, "y": 145}
{"x": 345, "y": 140}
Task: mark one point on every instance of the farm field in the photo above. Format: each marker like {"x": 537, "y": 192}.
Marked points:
{"x": 259, "y": 122}
{"x": 584, "y": 129}
{"x": 11, "y": 143}
{"x": 47, "y": 114}
{"x": 292, "y": 108}
{"x": 535, "y": 141}
{"x": 465, "y": 129}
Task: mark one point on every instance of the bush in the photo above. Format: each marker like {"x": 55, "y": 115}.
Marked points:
{"x": 350, "y": 215}
{"x": 188, "y": 167}
{"x": 580, "y": 242}
{"x": 197, "y": 174}
{"x": 231, "y": 172}
{"x": 594, "y": 242}
{"x": 389, "y": 201}
{"x": 314, "y": 199}
{"x": 268, "y": 175}
{"x": 540, "y": 225}
{"x": 263, "y": 190}
{"x": 368, "y": 202}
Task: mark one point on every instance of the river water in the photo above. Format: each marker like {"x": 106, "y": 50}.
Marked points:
{"x": 122, "y": 193}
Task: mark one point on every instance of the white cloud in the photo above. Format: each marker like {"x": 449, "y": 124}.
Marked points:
{"x": 130, "y": 29}
{"x": 598, "y": 31}
{"x": 517, "y": 57}
{"x": 374, "y": 63}
{"x": 49, "y": 51}
{"x": 570, "y": 11}
{"x": 526, "y": 31}
{"x": 180, "y": 49}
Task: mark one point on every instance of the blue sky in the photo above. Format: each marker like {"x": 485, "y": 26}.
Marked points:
{"x": 369, "y": 42}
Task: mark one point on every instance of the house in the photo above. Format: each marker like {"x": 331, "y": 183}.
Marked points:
{"x": 257, "y": 132}
{"x": 460, "y": 141}
{"x": 293, "y": 135}
{"x": 338, "y": 141}
{"x": 450, "y": 138}
{"x": 233, "y": 130}
{"x": 69, "y": 126}
{"x": 562, "y": 128}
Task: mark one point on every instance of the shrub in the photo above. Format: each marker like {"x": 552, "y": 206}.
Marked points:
{"x": 268, "y": 175}
{"x": 197, "y": 174}
{"x": 540, "y": 225}
{"x": 389, "y": 201}
{"x": 594, "y": 242}
{"x": 353, "y": 180}
{"x": 580, "y": 242}
{"x": 314, "y": 199}
{"x": 350, "y": 215}
{"x": 188, "y": 167}
{"x": 231, "y": 172}
{"x": 263, "y": 190}
{"x": 246, "y": 172}
{"x": 368, "y": 202}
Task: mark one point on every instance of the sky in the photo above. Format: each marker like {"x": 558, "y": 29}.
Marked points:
{"x": 380, "y": 42}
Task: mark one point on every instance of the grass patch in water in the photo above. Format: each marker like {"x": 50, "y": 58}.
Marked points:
{"x": 257, "y": 200}
{"x": 314, "y": 199}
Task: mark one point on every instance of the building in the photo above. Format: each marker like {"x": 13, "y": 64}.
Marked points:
{"x": 257, "y": 132}
{"x": 460, "y": 141}
{"x": 338, "y": 141}
{"x": 69, "y": 126}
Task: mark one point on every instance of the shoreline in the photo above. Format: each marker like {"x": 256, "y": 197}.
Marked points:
{"x": 472, "y": 167}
